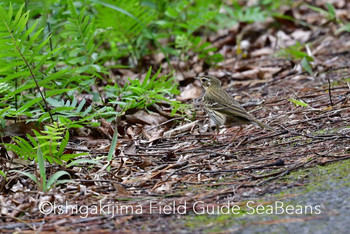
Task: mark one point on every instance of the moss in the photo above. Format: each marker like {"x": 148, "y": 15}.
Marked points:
{"x": 314, "y": 179}
{"x": 213, "y": 223}
{"x": 330, "y": 131}
{"x": 340, "y": 82}
{"x": 318, "y": 176}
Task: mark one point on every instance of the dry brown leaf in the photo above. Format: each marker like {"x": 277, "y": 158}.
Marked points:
{"x": 189, "y": 74}
{"x": 130, "y": 148}
{"x": 99, "y": 144}
{"x": 250, "y": 74}
{"x": 121, "y": 191}
{"x": 3, "y": 209}
{"x": 84, "y": 132}
{"x": 127, "y": 73}
{"x": 262, "y": 52}
{"x": 301, "y": 35}
{"x": 165, "y": 188}
{"x": 144, "y": 117}
{"x": 158, "y": 57}
{"x": 22, "y": 128}
{"x": 153, "y": 133}
{"x": 268, "y": 72}
{"x": 180, "y": 129}
{"x": 17, "y": 187}
{"x": 22, "y": 208}
{"x": 342, "y": 14}
{"x": 144, "y": 163}
{"x": 122, "y": 220}
{"x": 284, "y": 40}
{"x": 257, "y": 73}
{"x": 190, "y": 92}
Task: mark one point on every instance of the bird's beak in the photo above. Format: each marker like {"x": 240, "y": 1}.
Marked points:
{"x": 197, "y": 77}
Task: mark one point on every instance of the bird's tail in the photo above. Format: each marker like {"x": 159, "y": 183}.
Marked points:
{"x": 262, "y": 125}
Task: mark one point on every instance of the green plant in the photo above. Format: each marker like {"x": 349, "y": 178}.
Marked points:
{"x": 28, "y": 65}
{"x": 127, "y": 20}
{"x": 298, "y": 102}
{"x": 80, "y": 64}
{"x": 41, "y": 74}
{"x": 247, "y": 14}
{"x": 136, "y": 94}
{"x": 51, "y": 141}
{"x": 232, "y": 14}
{"x": 305, "y": 63}
{"x": 21, "y": 60}
{"x": 82, "y": 47}
{"x": 295, "y": 53}
{"x": 180, "y": 21}
{"x": 204, "y": 49}
{"x": 329, "y": 14}
{"x": 141, "y": 23}
{"x": 344, "y": 28}
{"x": 82, "y": 115}
{"x": 42, "y": 182}
{"x": 186, "y": 16}
{"x": 2, "y": 174}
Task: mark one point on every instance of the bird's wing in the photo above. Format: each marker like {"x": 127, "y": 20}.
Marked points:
{"x": 225, "y": 104}
{"x": 222, "y": 102}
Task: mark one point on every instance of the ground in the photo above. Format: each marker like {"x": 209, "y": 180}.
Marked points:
{"x": 166, "y": 172}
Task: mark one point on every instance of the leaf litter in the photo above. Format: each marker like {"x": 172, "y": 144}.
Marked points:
{"x": 174, "y": 161}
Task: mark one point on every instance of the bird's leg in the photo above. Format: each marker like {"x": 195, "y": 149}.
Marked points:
{"x": 232, "y": 141}
{"x": 239, "y": 131}
{"x": 216, "y": 137}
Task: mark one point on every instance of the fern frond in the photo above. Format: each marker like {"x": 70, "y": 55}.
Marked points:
{"x": 128, "y": 19}
{"x": 80, "y": 29}
{"x": 26, "y": 63}
{"x": 23, "y": 58}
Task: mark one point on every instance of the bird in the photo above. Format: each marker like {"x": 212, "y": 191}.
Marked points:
{"x": 222, "y": 108}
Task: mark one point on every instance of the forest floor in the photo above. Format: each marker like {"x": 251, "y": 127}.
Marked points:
{"x": 171, "y": 174}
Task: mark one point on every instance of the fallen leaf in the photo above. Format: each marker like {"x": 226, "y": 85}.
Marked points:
{"x": 301, "y": 35}
{"x": 151, "y": 133}
{"x": 262, "y": 52}
{"x": 164, "y": 188}
{"x": 22, "y": 128}
{"x": 190, "y": 92}
{"x": 144, "y": 117}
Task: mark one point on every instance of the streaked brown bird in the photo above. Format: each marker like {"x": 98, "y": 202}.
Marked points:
{"x": 224, "y": 109}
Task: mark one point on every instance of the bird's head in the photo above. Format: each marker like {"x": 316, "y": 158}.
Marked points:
{"x": 208, "y": 81}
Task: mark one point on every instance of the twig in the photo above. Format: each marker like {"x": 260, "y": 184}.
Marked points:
{"x": 315, "y": 118}
{"x": 180, "y": 129}
{"x": 281, "y": 173}
{"x": 21, "y": 223}
{"x": 279, "y": 162}
{"x": 34, "y": 78}
{"x": 266, "y": 136}
{"x": 329, "y": 91}
{"x": 168, "y": 121}
{"x": 181, "y": 169}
